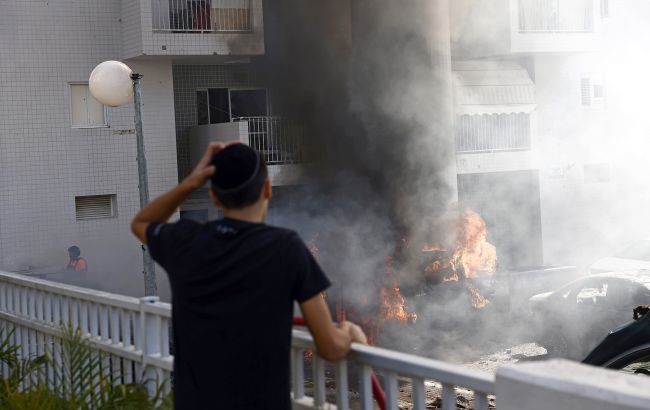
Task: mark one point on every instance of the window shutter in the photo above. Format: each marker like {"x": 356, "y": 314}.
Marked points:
{"x": 95, "y": 207}
{"x": 86, "y": 110}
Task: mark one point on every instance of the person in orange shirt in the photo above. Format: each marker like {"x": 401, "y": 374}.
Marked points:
{"x": 76, "y": 262}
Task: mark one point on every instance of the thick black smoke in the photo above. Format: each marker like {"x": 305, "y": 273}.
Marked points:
{"x": 370, "y": 82}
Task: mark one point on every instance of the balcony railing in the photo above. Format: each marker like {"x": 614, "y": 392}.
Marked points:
{"x": 201, "y": 16}
{"x": 132, "y": 335}
{"x": 280, "y": 140}
{"x": 556, "y": 16}
{"x": 492, "y": 132}
{"x": 134, "y": 340}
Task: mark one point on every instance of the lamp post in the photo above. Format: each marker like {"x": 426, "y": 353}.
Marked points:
{"x": 114, "y": 84}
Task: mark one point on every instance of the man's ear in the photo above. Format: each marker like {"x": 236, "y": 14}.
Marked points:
{"x": 267, "y": 191}
{"x": 214, "y": 199}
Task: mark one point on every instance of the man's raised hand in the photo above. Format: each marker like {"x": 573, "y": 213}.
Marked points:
{"x": 204, "y": 169}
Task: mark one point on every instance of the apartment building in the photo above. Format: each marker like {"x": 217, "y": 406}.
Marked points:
{"x": 532, "y": 115}
{"x": 68, "y": 171}
{"x": 538, "y": 125}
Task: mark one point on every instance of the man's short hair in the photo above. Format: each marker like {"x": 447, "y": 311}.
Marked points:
{"x": 239, "y": 176}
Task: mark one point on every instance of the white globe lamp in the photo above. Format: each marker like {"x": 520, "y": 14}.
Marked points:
{"x": 111, "y": 84}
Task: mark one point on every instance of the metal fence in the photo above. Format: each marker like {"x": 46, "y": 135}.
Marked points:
{"x": 399, "y": 371}
{"x": 492, "y": 132}
{"x": 280, "y": 140}
{"x": 556, "y": 16}
{"x": 133, "y": 335}
{"x": 199, "y": 16}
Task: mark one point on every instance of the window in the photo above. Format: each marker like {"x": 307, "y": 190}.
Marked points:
{"x": 592, "y": 294}
{"x": 592, "y": 91}
{"x": 95, "y": 207}
{"x": 219, "y": 105}
{"x": 86, "y": 110}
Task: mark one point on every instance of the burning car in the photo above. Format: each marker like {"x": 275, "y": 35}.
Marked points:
{"x": 570, "y": 321}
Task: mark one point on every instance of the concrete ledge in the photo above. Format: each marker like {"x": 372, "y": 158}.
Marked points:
{"x": 562, "y": 384}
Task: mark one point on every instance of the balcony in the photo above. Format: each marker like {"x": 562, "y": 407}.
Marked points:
{"x": 221, "y": 29}
{"x": 539, "y": 26}
{"x": 523, "y": 26}
{"x": 203, "y": 16}
{"x": 281, "y": 141}
{"x": 556, "y": 16}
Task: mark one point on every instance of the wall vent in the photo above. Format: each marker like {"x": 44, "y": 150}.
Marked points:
{"x": 95, "y": 207}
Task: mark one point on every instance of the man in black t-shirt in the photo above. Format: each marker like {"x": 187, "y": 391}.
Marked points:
{"x": 234, "y": 282}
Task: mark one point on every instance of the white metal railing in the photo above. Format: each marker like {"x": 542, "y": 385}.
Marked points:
{"x": 200, "y": 16}
{"x": 394, "y": 367}
{"x": 492, "y": 132}
{"x": 556, "y": 16}
{"x": 133, "y": 334}
{"x": 280, "y": 140}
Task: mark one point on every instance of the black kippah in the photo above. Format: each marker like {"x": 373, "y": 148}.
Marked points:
{"x": 237, "y": 166}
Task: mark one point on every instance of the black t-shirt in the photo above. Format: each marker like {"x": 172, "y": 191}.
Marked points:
{"x": 233, "y": 287}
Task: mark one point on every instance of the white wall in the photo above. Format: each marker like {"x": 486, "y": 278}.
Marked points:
{"x": 45, "y": 163}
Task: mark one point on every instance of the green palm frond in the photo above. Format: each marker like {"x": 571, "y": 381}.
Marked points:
{"x": 8, "y": 352}
{"x": 81, "y": 379}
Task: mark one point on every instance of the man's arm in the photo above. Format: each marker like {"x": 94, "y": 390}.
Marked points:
{"x": 163, "y": 207}
{"x": 332, "y": 342}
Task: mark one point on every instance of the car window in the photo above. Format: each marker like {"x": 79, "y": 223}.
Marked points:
{"x": 593, "y": 293}
{"x": 638, "y": 251}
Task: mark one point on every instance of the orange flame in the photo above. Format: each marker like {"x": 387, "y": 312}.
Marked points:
{"x": 472, "y": 255}
{"x": 478, "y": 301}
{"x": 471, "y": 250}
{"x": 392, "y": 305}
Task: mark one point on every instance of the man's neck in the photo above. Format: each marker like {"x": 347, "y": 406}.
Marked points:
{"x": 251, "y": 214}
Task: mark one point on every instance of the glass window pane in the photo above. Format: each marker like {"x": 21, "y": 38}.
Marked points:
{"x": 219, "y": 106}
{"x": 202, "y": 107}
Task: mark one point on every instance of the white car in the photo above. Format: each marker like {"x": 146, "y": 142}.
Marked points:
{"x": 636, "y": 256}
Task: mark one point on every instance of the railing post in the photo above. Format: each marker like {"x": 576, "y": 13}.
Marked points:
{"x": 419, "y": 394}
{"x": 150, "y": 330}
{"x": 448, "y": 397}
{"x": 365, "y": 388}
{"x": 318, "y": 370}
{"x": 342, "y": 399}
{"x": 391, "y": 387}
{"x": 298, "y": 373}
